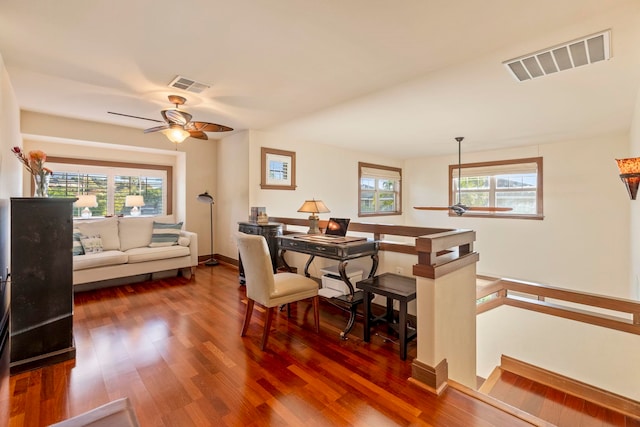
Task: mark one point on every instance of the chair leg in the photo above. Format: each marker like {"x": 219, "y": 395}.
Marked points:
{"x": 247, "y": 317}
{"x": 267, "y": 327}
{"x": 316, "y": 312}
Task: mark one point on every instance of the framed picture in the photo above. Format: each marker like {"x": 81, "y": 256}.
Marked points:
{"x": 278, "y": 169}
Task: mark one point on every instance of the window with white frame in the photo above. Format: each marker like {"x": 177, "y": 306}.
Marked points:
{"x": 111, "y": 182}
{"x": 515, "y": 184}
{"x": 379, "y": 190}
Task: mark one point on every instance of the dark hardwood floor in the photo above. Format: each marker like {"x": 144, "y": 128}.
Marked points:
{"x": 174, "y": 348}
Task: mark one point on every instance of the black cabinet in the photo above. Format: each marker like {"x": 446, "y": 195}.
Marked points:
{"x": 41, "y": 282}
{"x": 270, "y": 231}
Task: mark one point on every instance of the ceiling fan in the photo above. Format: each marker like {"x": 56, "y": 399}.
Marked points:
{"x": 459, "y": 208}
{"x": 178, "y": 125}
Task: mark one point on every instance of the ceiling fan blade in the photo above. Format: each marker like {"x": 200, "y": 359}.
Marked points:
{"x": 432, "y": 208}
{"x": 208, "y": 127}
{"x": 488, "y": 209}
{"x": 466, "y": 208}
{"x": 175, "y": 116}
{"x": 156, "y": 129}
{"x": 134, "y": 117}
{"x": 197, "y": 134}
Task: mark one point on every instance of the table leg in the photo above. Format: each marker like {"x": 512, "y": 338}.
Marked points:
{"x": 389, "y": 315}
{"x": 402, "y": 330}
{"x": 374, "y": 265}
{"x": 342, "y": 269}
{"x": 350, "y": 322}
{"x": 367, "y": 316}
{"x": 284, "y": 262}
{"x": 306, "y": 266}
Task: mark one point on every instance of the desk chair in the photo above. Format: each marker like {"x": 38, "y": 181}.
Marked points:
{"x": 268, "y": 289}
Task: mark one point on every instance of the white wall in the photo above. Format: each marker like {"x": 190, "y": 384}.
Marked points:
{"x": 634, "y": 209}
{"x": 10, "y": 179}
{"x": 10, "y": 176}
{"x": 583, "y": 241}
{"x": 232, "y": 193}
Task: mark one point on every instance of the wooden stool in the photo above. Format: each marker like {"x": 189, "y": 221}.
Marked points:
{"x": 393, "y": 287}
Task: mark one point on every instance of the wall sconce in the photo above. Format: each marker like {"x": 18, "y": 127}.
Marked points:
{"x": 630, "y": 174}
{"x": 134, "y": 202}
{"x": 176, "y": 133}
{"x": 313, "y": 207}
{"x": 86, "y": 201}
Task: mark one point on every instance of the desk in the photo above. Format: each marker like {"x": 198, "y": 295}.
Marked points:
{"x": 340, "y": 251}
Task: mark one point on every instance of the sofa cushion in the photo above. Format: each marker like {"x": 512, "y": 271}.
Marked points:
{"x": 77, "y": 245}
{"x": 165, "y": 234}
{"x": 151, "y": 254}
{"x": 91, "y": 244}
{"x": 106, "y": 228}
{"x": 135, "y": 232}
{"x": 101, "y": 259}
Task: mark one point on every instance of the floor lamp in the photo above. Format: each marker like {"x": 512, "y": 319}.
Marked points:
{"x": 208, "y": 198}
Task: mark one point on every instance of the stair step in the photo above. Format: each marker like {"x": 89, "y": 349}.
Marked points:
{"x": 557, "y": 399}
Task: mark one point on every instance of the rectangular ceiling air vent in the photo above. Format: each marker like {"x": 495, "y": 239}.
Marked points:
{"x": 583, "y": 51}
{"x": 189, "y": 85}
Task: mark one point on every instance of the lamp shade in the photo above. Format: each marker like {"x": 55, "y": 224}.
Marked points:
{"x": 86, "y": 201}
{"x": 134, "y": 201}
{"x": 630, "y": 174}
{"x": 314, "y": 206}
{"x": 176, "y": 134}
{"x": 205, "y": 198}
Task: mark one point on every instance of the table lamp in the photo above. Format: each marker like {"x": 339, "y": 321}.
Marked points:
{"x": 134, "y": 202}
{"x": 313, "y": 207}
{"x": 86, "y": 201}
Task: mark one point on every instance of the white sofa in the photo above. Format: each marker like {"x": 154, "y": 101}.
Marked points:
{"x": 130, "y": 248}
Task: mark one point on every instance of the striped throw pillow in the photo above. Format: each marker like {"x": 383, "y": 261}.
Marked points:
{"x": 77, "y": 244}
{"x": 165, "y": 234}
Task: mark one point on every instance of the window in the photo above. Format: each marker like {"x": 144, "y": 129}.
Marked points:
{"x": 379, "y": 190}
{"x": 111, "y": 182}
{"x": 515, "y": 184}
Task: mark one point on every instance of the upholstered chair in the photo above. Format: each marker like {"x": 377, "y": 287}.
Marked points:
{"x": 268, "y": 289}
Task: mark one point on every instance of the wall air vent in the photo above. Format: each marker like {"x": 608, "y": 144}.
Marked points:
{"x": 583, "y": 51}
{"x": 188, "y": 85}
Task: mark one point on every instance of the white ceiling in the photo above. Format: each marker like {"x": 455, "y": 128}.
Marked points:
{"x": 398, "y": 78}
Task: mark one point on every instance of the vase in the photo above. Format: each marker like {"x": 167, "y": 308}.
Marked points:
{"x": 41, "y": 182}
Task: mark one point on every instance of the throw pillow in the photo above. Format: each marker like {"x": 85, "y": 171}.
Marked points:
{"x": 77, "y": 245}
{"x": 91, "y": 244}
{"x": 106, "y": 228}
{"x": 165, "y": 234}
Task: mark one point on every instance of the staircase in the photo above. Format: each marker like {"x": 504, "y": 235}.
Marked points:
{"x": 557, "y": 399}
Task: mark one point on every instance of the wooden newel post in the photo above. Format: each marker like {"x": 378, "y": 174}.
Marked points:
{"x": 446, "y": 310}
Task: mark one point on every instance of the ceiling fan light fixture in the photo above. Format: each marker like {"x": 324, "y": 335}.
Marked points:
{"x": 176, "y": 134}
